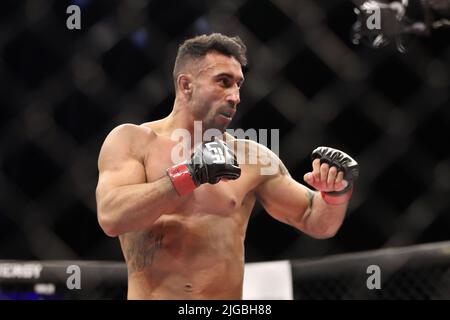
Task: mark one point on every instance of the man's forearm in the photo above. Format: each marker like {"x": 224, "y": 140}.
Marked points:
{"x": 323, "y": 220}
{"x": 133, "y": 207}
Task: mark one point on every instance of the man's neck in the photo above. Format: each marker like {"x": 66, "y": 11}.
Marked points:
{"x": 181, "y": 120}
{"x": 180, "y": 117}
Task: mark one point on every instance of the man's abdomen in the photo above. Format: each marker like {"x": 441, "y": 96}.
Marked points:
{"x": 200, "y": 257}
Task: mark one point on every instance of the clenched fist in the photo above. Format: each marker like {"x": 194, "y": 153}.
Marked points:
{"x": 333, "y": 174}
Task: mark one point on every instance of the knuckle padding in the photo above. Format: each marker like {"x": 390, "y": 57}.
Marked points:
{"x": 336, "y": 158}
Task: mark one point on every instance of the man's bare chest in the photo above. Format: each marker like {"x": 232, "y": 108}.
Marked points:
{"x": 221, "y": 198}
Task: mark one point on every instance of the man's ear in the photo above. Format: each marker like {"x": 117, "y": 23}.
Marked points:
{"x": 185, "y": 84}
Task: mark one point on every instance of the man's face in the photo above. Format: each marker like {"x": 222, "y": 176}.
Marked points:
{"x": 215, "y": 94}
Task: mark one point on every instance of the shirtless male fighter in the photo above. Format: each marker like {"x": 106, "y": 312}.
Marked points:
{"x": 182, "y": 225}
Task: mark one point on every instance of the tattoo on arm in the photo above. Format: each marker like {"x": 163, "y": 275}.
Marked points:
{"x": 310, "y": 194}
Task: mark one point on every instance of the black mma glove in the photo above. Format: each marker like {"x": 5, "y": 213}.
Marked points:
{"x": 343, "y": 162}
{"x": 210, "y": 162}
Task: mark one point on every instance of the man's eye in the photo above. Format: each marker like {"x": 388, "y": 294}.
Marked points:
{"x": 224, "y": 82}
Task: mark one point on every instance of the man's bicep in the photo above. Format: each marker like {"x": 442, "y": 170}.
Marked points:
{"x": 118, "y": 166}
{"x": 128, "y": 172}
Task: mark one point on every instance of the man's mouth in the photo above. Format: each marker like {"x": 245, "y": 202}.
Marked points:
{"x": 228, "y": 115}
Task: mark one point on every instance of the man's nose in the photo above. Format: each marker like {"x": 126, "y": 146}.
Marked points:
{"x": 234, "y": 97}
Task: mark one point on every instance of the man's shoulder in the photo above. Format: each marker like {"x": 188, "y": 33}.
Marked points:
{"x": 129, "y": 137}
{"x": 130, "y": 131}
{"x": 248, "y": 145}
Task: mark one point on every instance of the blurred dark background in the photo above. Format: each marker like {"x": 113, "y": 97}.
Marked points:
{"x": 62, "y": 91}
